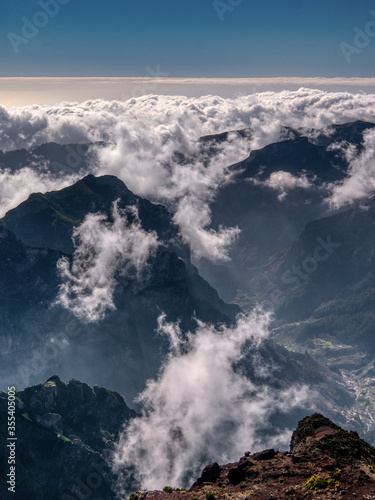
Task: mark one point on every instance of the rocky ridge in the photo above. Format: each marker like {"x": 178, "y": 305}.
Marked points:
{"x": 65, "y": 435}
{"x": 324, "y": 461}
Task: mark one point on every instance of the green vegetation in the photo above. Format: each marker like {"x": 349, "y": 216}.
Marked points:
{"x": 64, "y": 438}
{"x": 168, "y": 489}
{"x": 316, "y": 483}
{"x": 210, "y": 496}
{"x": 26, "y": 415}
{"x": 133, "y": 496}
{"x": 336, "y": 473}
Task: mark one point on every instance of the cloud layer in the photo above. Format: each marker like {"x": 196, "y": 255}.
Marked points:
{"x": 142, "y": 136}
{"x": 103, "y": 248}
{"x": 201, "y": 408}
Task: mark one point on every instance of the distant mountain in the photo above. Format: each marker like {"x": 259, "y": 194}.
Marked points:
{"x": 48, "y": 220}
{"x": 324, "y": 460}
{"x": 58, "y": 159}
{"x": 334, "y": 300}
{"x": 312, "y": 266}
{"x": 270, "y": 217}
{"x": 122, "y": 350}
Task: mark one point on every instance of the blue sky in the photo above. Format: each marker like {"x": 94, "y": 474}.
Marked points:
{"x": 251, "y": 38}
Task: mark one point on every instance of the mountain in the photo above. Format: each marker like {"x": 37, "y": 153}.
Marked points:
{"x": 324, "y": 461}
{"x": 312, "y": 266}
{"x": 38, "y": 336}
{"x": 57, "y": 159}
{"x": 123, "y": 349}
{"x": 273, "y": 194}
{"x": 65, "y": 435}
{"x": 326, "y": 303}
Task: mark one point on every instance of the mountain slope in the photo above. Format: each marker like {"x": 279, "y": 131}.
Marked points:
{"x": 58, "y": 159}
{"x": 123, "y": 349}
{"x": 274, "y": 193}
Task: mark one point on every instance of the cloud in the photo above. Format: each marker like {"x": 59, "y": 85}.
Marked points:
{"x": 360, "y": 180}
{"x": 15, "y": 187}
{"x": 142, "y": 136}
{"x": 24, "y": 91}
{"x": 283, "y": 182}
{"x": 201, "y": 408}
{"x": 103, "y": 248}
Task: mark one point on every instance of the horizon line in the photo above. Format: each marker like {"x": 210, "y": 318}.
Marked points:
{"x": 199, "y": 79}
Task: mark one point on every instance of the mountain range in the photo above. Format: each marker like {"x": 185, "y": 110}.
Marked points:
{"x": 310, "y": 264}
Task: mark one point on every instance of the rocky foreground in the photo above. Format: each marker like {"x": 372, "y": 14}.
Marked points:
{"x": 66, "y": 434}
{"x": 324, "y": 461}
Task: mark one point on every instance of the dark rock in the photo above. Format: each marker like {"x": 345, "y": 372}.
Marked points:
{"x": 238, "y": 474}
{"x": 209, "y": 475}
{"x": 264, "y": 455}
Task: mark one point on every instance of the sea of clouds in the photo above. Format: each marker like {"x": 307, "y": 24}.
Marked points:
{"x": 142, "y": 136}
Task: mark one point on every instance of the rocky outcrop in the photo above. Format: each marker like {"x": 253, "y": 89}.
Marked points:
{"x": 65, "y": 435}
{"x": 324, "y": 461}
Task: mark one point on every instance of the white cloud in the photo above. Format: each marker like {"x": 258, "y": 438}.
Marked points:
{"x": 15, "y": 187}
{"x": 201, "y": 408}
{"x": 103, "y": 248}
{"x": 283, "y": 182}
{"x": 360, "y": 180}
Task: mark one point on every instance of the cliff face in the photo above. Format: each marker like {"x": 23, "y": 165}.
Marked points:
{"x": 65, "y": 434}
{"x": 324, "y": 461}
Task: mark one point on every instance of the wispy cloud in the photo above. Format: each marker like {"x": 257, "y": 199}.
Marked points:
{"x": 360, "y": 180}
{"x": 201, "y": 408}
{"x": 103, "y": 248}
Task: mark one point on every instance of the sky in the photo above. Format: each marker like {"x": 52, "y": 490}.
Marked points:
{"x": 195, "y": 38}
